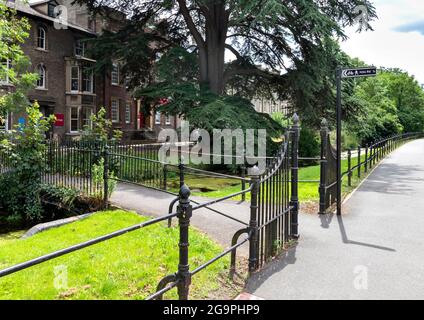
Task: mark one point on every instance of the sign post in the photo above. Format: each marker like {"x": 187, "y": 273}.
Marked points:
{"x": 340, "y": 75}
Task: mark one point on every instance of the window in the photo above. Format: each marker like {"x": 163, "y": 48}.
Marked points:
{"x": 79, "y": 48}
{"x": 41, "y": 38}
{"x": 74, "y": 119}
{"x": 4, "y": 73}
{"x": 87, "y": 81}
{"x": 86, "y": 117}
{"x": 115, "y": 74}
{"x": 114, "y": 110}
{"x": 157, "y": 117}
{"x": 127, "y": 113}
{"x": 168, "y": 119}
{"x": 75, "y": 79}
{"x": 41, "y": 82}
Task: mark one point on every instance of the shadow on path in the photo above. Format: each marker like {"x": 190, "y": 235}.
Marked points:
{"x": 392, "y": 178}
{"x": 258, "y": 278}
{"x": 346, "y": 240}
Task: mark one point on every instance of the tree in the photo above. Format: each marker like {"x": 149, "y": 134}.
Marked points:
{"x": 378, "y": 117}
{"x": 277, "y": 45}
{"x": 20, "y": 187}
{"x": 408, "y": 96}
{"x": 14, "y": 68}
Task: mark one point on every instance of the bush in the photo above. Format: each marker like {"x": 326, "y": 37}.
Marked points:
{"x": 22, "y": 185}
{"x": 349, "y": 140}
{"x": 309, "y": 145}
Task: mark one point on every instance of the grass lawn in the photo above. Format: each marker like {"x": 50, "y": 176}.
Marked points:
{"x": 220, "y": 187}
{"x": 126, "y": 267}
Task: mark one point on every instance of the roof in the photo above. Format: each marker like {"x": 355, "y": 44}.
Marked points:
{"x": 22, "y": 7}
{"x": 35, "y": 3}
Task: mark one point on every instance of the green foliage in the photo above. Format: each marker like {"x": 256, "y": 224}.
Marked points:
{"x": 309, "y": 143}
{"x": 177, "y": 66}
{"x": 98, "y": 178}
{"x": 206, "y": 110}
{"x": 61, "y": 196}
{"x": 392, "y": 102}
{"x": 287, "y": 48}
{"x": 101, "y": 130}
{"x": 22, "y": 185}
{"x": 349, "y": 140}
{"x": 13, "y": 33}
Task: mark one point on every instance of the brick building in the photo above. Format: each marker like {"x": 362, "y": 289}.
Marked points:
{"x": 66, "y": 86}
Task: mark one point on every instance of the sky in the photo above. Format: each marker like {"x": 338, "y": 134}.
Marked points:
{"x": 397, "y": 40}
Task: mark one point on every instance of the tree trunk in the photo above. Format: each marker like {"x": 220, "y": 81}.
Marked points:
{"x": 212, "y": 61}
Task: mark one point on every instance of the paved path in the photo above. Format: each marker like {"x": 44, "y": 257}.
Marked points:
{"x": 155, "y": 203}
{"x": 378, "y": 243}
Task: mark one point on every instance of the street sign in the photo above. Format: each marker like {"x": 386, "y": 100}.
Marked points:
{"x": 340, "y": 75}
{"x": 359, "y": 72}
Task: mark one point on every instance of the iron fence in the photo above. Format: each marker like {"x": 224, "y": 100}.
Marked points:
{"x": 366, "y": 158}
{"x": 273, "y": 217}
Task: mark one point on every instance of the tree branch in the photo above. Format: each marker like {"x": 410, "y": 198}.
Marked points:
{"x": 234, "y": 51}
{"x": 190, "y": 24}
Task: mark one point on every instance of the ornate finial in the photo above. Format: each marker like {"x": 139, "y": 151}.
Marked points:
{"x": 185, "y": 192}
{"x": 295, "y": 119}
{"x": 324, "y": 122}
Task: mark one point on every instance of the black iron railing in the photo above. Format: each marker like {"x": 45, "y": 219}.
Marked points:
{"x": 273, "y": 221}
{"x": 366, "y": 158}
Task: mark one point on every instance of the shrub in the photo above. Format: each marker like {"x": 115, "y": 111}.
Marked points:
{"x": 309, "y": 145}
{"x": 22, "y": 185}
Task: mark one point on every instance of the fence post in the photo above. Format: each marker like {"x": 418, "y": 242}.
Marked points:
{"x": 181, "y": 168}
{"x": 106, "y": 176}
{"x": 253, "y": 223}
{"x": 366, "y": 159}
{"x": 359, "y": 161}
{"x": 184, "y": 210}
{"x": 243, "y": 175}
{"x": 165, "y": 174}
{"x": 294, "y": 200}
{"x": 374, "y": 156}
{"x": 323, "y": 167}
{"x": 349, "y": 168}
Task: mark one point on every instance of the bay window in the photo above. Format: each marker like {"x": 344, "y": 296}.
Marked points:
{"x": 87, "y": 81}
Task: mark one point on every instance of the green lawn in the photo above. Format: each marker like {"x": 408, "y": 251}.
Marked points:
{"x": 220, "y": 187}
{"x": 126, "y": 267}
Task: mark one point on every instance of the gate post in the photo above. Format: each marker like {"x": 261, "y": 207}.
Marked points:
{"x": 253, "y": 223}
{"x": 349, "y": 168}
{"x": 366, "y": 159}
{"x": 243, "y": 175}
{"x": 184, "y": 210}
{"x": 294, "y": 201}
{"x": 323, "y": 167}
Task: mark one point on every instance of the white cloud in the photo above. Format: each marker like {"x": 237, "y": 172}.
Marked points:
{"x": 387, "y": 47}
